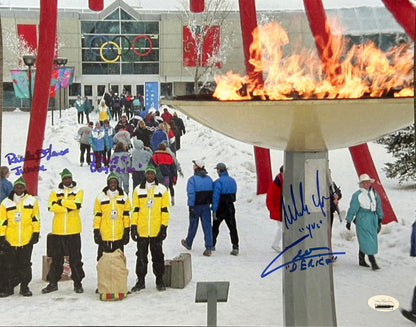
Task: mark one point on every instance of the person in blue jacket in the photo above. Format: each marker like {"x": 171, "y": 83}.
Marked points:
{"x": 6, "y": 185}
{"x": 199, "y": 190}
{"x": 365, "y": 210}
{"x": 223, "y": 198}
{"x": 98, "y": 141}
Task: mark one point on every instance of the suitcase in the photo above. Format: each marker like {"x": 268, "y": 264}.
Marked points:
{"x": 180, "y": 270}
{"x": 167, "y": 275}
{"x": 46, "y": 264}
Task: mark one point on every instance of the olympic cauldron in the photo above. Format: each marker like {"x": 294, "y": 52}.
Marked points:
{"x": 300, "y": 125}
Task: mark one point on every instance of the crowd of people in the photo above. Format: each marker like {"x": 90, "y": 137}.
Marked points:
{"x": 143, "y": 148}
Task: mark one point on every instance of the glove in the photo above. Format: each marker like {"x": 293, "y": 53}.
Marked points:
{"x": 97, "y": 237}
{"x": 162, "y": 233}
{"x": 379, "y": 226}
{"x": 180, "y": 173}
{"x": 348, "y": 226}
{"x": 35, "y": 238}
{"x": 192, "y": 212}
{"x": 214, "y": 215}
{"x": 174, "y": 180}
{"x": 133, "y": 233}
{"x": 4, "y": 245}
{"x": 126, "y": 236}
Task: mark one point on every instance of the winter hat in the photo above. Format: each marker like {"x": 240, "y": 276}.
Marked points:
{"x": 151, "y": 168}
{"x": 20, "y": 181}
{"x": 365, "y": 177}
{"x": 65, "y": 173}
{"x": 199, "y": 162}
{"x": 112, "y": 176}
{"x": 221, "y": 166}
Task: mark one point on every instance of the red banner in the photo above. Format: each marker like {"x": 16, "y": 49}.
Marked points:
{"x": 28, "y": 34}
{"x": 210, "y": 47}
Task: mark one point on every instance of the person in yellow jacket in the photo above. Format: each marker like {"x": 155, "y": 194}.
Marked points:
{"x": 149, "y": 222}
{"x": 111, "y": 218}
{"x": 19, "y": 230}
{"x": 65, "y": 202}
{"x": 103, "y": 113}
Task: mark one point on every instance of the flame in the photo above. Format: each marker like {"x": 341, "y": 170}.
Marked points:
{"x": 363, "y": 70}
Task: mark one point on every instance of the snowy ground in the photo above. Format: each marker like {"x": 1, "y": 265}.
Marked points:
{"x": 252, "y": 300}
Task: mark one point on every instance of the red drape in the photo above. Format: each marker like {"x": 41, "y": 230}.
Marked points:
{"x": 360, "y": 154}
{"x": 248, "y": 21}
{"x": 39, "y": 110}
{"x": 96, "y": 5}
{"x": 197, "y": 6}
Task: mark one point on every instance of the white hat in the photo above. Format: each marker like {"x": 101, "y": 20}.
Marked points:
{"x": 159, "y": 119}
{"x": 199, "y": 162}
{"x": 365, "y": 177}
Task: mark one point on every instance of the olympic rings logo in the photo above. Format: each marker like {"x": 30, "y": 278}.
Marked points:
{"x": 108, "y": 45}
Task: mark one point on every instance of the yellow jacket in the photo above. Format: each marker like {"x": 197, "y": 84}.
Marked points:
{"x": 150, "y": 209}
{"x": 111, "y": 228}
{"x": 65, "y": 203}
{"x": 18, "y": 220}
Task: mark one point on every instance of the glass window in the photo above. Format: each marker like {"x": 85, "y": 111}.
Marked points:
{"x": 139, "y": 89}
{"x": 100, "y": 90}
{"x": 127, "y": 89}
{"x": 133, "y": 28}
{"x": 114, "y": 89}
{"x": 125, "y": 16}
{"x": 88, "y": 90}
{"x": 166, "y": 89}
{"x": 74, "y": 89}
{"x": 114, "y": 15}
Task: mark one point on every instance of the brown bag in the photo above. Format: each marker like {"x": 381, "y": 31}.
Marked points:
{"x": 112, "y": 276}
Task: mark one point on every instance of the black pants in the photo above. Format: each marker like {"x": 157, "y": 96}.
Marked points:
{"x": 85, "y": 148}
{"x": 80, "y": 117}
{"x": 232, "y": 226}
{"x": 158, "y": 258}
{"x": 63, "y": 245}
{"x": 16, "y": 267}
{"x": 110, "y": 247}
{"x": 138, "y": 176}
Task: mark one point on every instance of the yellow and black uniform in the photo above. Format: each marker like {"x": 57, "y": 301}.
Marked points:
{"x": 149, "y": 221}
{"x": 19, "y": 230}
{"x": 111, "y": 220}
{"x": 65, "y": 202}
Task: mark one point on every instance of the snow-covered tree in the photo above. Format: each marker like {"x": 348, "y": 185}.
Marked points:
{"x": 401, "y": 145}
{"x": 200, "y": 24}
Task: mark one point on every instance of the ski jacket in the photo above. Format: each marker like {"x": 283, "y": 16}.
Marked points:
{"x": 109, "y": 133}
{"x": 104, "y": 113}
{"x": 65, "y": 203}
{"x": 199, "y": 188}
{"x": 122, "y": 136}
{"x": 165, "y": 162}
{"x": 224, "y": 194}
{"x": 111, "y": 215}
{"x": 98, "y": 139}
{"x": 87, "y": 106}
{"x": 274, "y": 198}
{"x": 19, "y": 220}
{"x": 139, "y": 156}
{"x": 85, "y": 132}
{"x": 79, "y": 105}
{"x": 158, "y": 136}
{"x": 150, "y": 208}
{"x": 6, "y": 188}
{"x": 120, "y": 162}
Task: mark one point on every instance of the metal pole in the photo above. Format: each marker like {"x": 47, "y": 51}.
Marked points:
{"x": 212, "y": 305}
{"x": 30, "y": 87}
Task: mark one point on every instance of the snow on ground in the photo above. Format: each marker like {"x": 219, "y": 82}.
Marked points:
{"x": 252, "y": 300}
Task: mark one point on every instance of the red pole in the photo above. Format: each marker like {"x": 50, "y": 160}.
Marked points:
{"x": 248, "y": 21}
{"x": 197, "y": 6}
{"x": 404, "y": 13}
{"x": 360, "y": 154}
{"x": 96, "y": 5}
{"x": 39, "y": 110}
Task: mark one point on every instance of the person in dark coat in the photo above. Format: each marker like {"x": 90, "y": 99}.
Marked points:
{"x": 180, "y": 129}
{"x": 166, "y": 163}
{"x": 223, "y": 198}
{"x": 143, "y": 133}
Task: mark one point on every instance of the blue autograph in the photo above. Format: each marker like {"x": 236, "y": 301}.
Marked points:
{"x": 47, "y": 153}
{"x": 306, "y": 259}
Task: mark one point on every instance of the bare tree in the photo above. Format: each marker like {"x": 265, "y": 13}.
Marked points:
{"x": 199, "y": 24}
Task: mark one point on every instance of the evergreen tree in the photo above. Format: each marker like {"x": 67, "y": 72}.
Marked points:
{"x": 402, "y": 145}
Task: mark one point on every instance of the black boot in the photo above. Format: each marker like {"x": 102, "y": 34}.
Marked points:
{"x": 7, "y": 292}
{"x": 139, "y": 285}
{"x": 160, "y": 285}
{"x": 361, "y": 259}
{"x": 52, "y": 287}
{"x": 24, "y": 290}
{"x": 78, "y": 287}
{"x": 373, "y": 262}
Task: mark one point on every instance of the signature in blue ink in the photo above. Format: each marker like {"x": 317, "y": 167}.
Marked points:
{"x": 307, "y": 259}
{"x": 19, "y": 170}
{"x": 291, "y": 212}
{"x": 47, "y": 154}
{"x": 311, "y": 227}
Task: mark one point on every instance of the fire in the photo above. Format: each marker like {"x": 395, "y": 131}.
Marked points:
{"x": 363, "y": 70}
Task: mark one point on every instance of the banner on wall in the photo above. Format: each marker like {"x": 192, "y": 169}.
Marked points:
{"x": 210, "y": 47}
{"x": 151, "y": 95}
{"x": 61, "y": 78}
